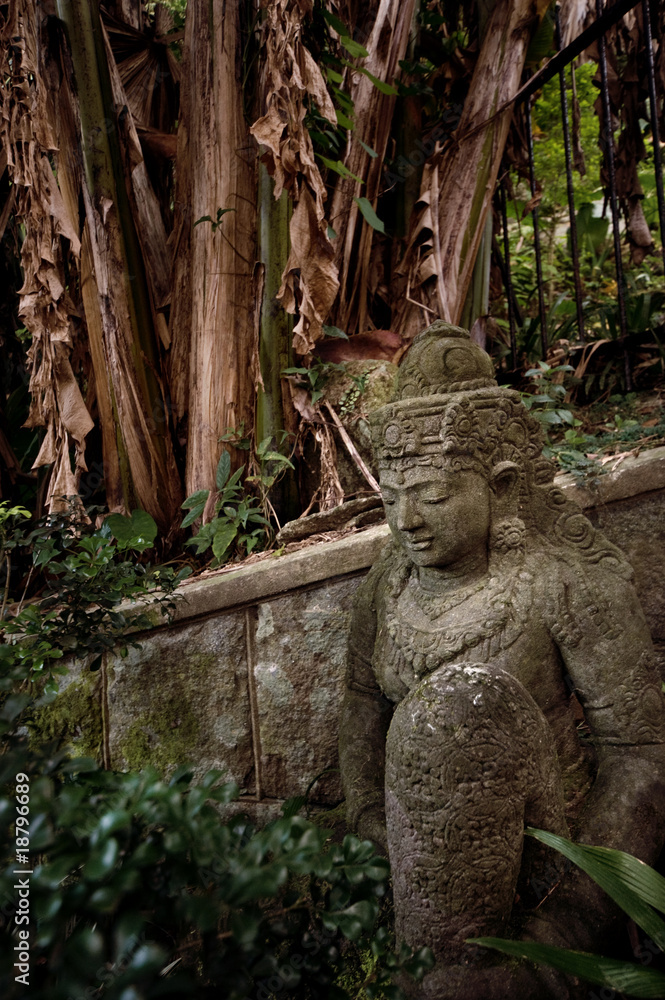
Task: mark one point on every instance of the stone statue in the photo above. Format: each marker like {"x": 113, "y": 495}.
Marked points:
{"x": 500, "y": 675}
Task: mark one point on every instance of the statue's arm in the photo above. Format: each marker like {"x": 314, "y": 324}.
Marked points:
{"x": 610, "y": 661}
{"x": 365, "y": 718}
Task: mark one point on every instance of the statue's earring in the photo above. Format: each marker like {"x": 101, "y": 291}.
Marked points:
{"x": 507, "y": 532}
{"x": 508, "y": 535}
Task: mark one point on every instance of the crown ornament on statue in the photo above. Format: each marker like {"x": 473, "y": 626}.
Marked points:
{"x": 448, "y": 410}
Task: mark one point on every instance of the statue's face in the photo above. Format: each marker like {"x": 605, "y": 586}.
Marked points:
{"x": 440, "y": 517}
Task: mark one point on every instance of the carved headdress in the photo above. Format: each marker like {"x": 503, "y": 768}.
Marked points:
{"x": 448, "y": 411}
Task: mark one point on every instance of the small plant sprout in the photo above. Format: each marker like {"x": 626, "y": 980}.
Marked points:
{"x": 240, "y": 521}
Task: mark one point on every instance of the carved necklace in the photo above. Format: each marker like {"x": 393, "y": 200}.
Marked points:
{"x": 434, "y": 605}
{"x": 422, "y": 650}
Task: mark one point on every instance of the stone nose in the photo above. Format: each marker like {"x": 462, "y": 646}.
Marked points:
{"x": 408, "y": 517}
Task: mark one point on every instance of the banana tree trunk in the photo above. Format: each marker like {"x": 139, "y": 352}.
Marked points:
{"x": 124, "y": 346}
{"x": 386, "y": 47}
{"x": 274, "y": 412}
{"x": 214, "y": 355}
{"x": 49, "y": 250}
{"x": 458, "y": 185}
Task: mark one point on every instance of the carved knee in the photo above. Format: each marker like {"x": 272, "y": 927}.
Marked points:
{"x": 466, "y": 752}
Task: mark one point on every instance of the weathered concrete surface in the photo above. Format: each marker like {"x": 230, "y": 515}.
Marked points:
{"x": 76, "y": 715}
{"x": 183, "y": 697}
{"x": 249, "y": 585}
{"x": 299, "y": 653}
{"x": 637, "y": 525}
{"x": 631, "y": 477}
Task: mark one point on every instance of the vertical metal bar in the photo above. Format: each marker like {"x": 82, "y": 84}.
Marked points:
{"x": 653, "y": 108}
{"x": 254, "y": 716}
{"x": 536, "y": 235}
{"x": 569, "y": 180}
{"x": 508, "y": 279}
{"x": 607, "y": 116}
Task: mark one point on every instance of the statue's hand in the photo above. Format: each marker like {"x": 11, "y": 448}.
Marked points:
{"x": 372, "y": 826}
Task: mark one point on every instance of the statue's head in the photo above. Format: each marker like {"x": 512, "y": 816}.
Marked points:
{"x": 458, "y": 456}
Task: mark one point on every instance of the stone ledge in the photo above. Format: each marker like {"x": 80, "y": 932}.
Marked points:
{"x": 250, "y": 584}
{"x": 632, "y": 476}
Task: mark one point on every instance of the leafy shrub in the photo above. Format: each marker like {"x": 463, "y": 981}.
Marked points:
{"x": 239, "y": 521}
{"x": 139, "y": 890}
{"x": 86, "y": 574}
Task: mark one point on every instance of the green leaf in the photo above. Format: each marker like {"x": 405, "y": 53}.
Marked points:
{"x": 332, "y": 235}
{"x": 14, "y": 706}
{"x": 633, "y": 885}
{"x": 80, "y": 765}
{"x": 335, "y": 23}
{"x": 338, "y": 167}
{"x": 344, "y": 120}
{"x": 334, "y": 331}
{"x": 102, "y": 861}
{"x": 227, "y": 793}
{"x": 194, "y": 499}
{"x": 204, "y": 218}
{"x": 115, "y": 819}
{"x": 368, "y": 149}
{"x": 223, "y": 470}
{"x": 274, "y": 456}
{"x": 355, "y": 49}
{"x": 235, "y": 478}
{"x": 263, "y": 446}
{"x": 381, "y": 85}
{"x": 356, "y": 918}
{"x": 622, "y": 976}
{"x": 139, "y": 530}
{"x": 369, "y": 214}
{"x": 223, "y": 538}
{"x": 333, "y": 76}
{"x": 250, "y": 543}
{"x": 192, "y": 516}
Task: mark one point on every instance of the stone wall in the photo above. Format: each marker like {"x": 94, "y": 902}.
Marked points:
{"x": 249, "y": 676}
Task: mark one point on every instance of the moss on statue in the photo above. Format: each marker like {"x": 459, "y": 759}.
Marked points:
{"x": 74, "y": 717}
{"x": 163, "y": 738}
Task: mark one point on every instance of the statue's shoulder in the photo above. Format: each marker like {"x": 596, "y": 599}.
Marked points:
{"x": 581, "y": 585}
{"x": 563, "y": 536}
{"x": 387, "y": 576}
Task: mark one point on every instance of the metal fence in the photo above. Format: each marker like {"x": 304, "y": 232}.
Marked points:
{"x": 560, "y": 65}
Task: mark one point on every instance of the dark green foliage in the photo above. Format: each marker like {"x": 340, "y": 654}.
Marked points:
{"x": 86, "y": 575}
{"x": 134, "y": 875}
{"x": 637, "y": 888}
{"x": 240, "y": 522}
